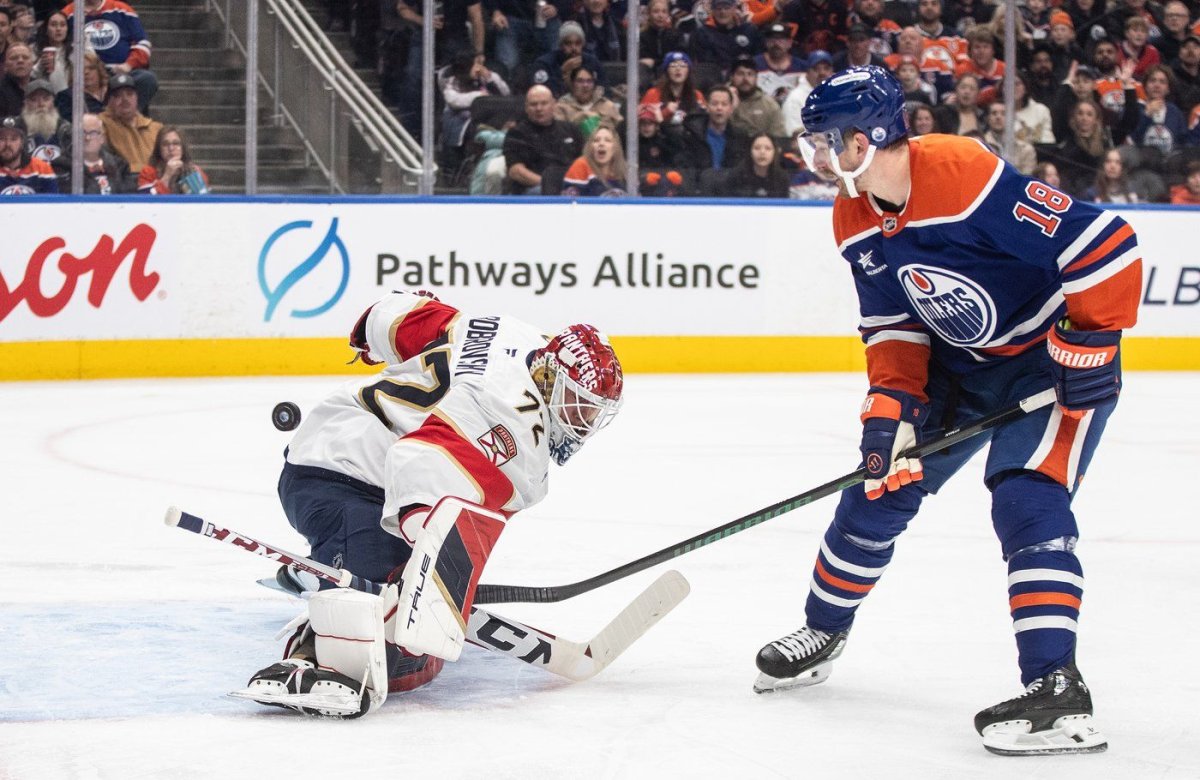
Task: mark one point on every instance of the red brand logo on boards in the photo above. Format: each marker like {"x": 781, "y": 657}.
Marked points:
{"x": 102, "y": 262}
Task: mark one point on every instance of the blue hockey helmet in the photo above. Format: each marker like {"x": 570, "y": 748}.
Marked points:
{"x": 865, "y": 98}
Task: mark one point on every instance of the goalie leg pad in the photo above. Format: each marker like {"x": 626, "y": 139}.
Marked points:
{"x": 439, "y": 580}
{"x": 349, "y": 636}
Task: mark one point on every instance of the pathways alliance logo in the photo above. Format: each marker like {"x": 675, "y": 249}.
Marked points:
{"x": 305, "y": 279}
{"x": 958, "y": 309}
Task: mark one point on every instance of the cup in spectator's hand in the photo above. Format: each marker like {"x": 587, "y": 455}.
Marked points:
{"x": 49, "y": 54}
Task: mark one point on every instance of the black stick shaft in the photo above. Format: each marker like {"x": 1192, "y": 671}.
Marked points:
{"x": 493, "y": 594}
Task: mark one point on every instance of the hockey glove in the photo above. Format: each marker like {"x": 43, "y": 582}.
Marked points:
{"x": 890, "y": 421}
{"x": 1087, "y": 366}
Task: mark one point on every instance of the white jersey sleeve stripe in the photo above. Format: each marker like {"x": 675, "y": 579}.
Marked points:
{"x": 1071, "y": 253}
{"x": 1102, "y": 273}
{"x": 910, "y": 336}
{"x": 879, "y": 322}
{"x": 1033, "y": 323}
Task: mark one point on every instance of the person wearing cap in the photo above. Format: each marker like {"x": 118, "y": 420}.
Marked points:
{"x": 675, "y": 94}
{"x": 858, "y": 50}
{"x": 756, "y": 111}
{"x": 551, "y": 69}
{"x": 1186, "y": 68}
{"x": 1061, "y": 44}
{"x": 18, "y": 69}
{"x": 1176, "y": 19}
{"x": 821, "y": 24}
{"x": 19, "y": 174}
{"x": 525, "y": 30}
{"x": 115, "y": 33}
{"x": 48, "y": 135}
{"x": 130, "y": 133}
{"x": 820, "y": 67}
{"x": 779, "y": 71}
{"x": 726, "y": 37}
{"x": 656, "y": 149}
{"x": 659, "y": 36}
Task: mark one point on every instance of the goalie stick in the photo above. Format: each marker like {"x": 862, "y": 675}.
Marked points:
{"x": 573, "y": 660}
{"x": 495, "y": 594}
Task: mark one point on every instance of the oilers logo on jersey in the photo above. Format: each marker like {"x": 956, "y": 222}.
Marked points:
{"x": 102, "y": 34}
{"x": 953, "y": 306}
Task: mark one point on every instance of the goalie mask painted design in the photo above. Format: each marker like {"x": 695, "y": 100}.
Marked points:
{"x": 581, "y": 382}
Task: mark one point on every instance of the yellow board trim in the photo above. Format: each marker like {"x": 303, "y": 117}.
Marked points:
{"x": 53, "y": 360}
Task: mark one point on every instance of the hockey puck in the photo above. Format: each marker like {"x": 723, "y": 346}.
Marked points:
{"x": 285, "y": 416}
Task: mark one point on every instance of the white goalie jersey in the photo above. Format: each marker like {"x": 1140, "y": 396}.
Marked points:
{"x": 455, "y": 411}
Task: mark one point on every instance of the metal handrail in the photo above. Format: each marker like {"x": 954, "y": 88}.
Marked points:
{"x": 378, "y": 126}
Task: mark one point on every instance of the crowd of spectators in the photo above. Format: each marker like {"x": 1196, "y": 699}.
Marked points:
{"x": 124, "y": 150}
{"x": 1091, "y": 76}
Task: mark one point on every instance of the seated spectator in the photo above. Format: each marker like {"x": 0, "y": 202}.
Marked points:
{"x": 601, "y": 168}
{"x": 603, "y": 37}
{"x": 756, "y": 112}
{"x": 537, "y": 142}
{"x": 1111, "y": 184}
{"x": 659, "y": 38}
{"x": 710, "y": 140}
{"x": 18, "y": 70}
{"x": 963, "y": 15}
{"x": 923, "y": 121}
{"x": 95, "y": 87}
{"x": 553, "y": 67}
{"x": 23, "y": 27}
{"x": 726, "y": 38}
{"x": 960, "y": 114}
{"x": 916, "y": 90}
{"x": 1186, "y": 68}
{"x": 170, "y": 170}
{"x": 104, "y": 173}
{"x": 858, "y": 50}
{"x": 981, "y": 60}
{"x": 1024, "y": 157}
{"x": 54, "y": 52}
{"x": 48, "y": 135}
{"x": 1094, "y": 20}
{"x": 1035, "y": 22}
{"x": 1176, "y": 21}
{"x": 1186, "y": 194}
{"x": 1048, "y": 172}
{"x": 1061, "y": 48}
{"x": 19, "y": 174}
{"x": 1136, "y": 49}
{"x": 116, "y": 34}
{"x": 882, "y": 30}
{"x": 675, "y": 93}
{"x": 656, "y": 149}
{"x": 759, "y": 174}
{"x": 1120, "y": 95}
{"x": 820, "y": 67}
{"x": 468, "y": 79}
{"x": 526, "y": 30}
{"x": 1033, "y": 123}
{"x": 129, "y": 133}
{"x": 1080, "y": 154}
{"x": 490, "y": 170}
{"x": 821, "y": 24}
{"x": 1080, "y": 84}
{"x": 1162, "y": 125}
{"x": 941, "y": 42}
{"x": 779, "y": 71}
{"x": 585, "y": 105}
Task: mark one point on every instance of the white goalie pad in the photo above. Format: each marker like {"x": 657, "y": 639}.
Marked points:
{"x": 437, "y": 587}
{"x": 350, "y": 639}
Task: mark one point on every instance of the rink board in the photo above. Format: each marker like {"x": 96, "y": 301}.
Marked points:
{"x": 226, "y": 286}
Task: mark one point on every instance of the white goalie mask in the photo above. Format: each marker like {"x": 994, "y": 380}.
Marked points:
{"x": 581, "y": 382}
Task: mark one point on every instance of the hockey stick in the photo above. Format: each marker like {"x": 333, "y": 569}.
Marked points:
{"x": 573, "y": 660}
{"x": 494, "y": 594}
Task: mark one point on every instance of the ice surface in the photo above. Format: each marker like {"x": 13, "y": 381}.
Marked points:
{"x": 119, "y": 636}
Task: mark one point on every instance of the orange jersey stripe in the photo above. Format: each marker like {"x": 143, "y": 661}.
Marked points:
{"x": 1055, "y": 464}
{"x": 1101, "y": 251}
{"x": 1043, "y": 599}
{"x": 838, "y": 582}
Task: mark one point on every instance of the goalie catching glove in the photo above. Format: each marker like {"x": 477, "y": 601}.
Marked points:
{"x": 890, "y": 421}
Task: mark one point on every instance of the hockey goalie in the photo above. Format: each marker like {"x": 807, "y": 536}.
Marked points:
{"x": 409, "y": 476}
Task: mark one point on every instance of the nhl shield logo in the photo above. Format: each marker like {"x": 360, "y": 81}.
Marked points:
{"x": 889, "y": 224}
{"x": 498, "y": 445}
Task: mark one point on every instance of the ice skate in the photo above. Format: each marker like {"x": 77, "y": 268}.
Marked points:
{"x": 1054, "y": 715}
{"x": 299, "y": 685}
{"x": 803, "y": 657}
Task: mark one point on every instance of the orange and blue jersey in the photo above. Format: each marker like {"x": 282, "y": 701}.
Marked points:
{"x": 978, "y": 265}
{"x": 35, "y": 178}
{"x": 115, "y": 32}
{"x": 581, "y": 181}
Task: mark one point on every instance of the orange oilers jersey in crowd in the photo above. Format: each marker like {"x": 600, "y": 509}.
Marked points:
{"x": 1112, "y": 94}
{"x": 979, "y": 264}
{"x": 453, "y": 413}
{"x": 949, "y": 50}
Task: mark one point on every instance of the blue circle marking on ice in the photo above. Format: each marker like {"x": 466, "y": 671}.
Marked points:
{"x": 330, "y": 241}
{"x": 957, "y": 308}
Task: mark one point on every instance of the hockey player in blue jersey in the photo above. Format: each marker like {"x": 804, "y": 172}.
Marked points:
{"x": 977, "y": 287}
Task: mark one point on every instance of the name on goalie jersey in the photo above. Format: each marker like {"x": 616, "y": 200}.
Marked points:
{"x": 953, "y": 306}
